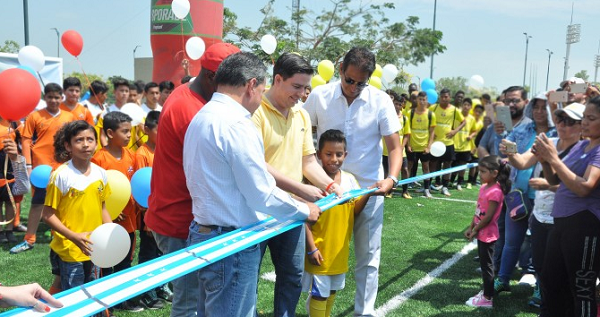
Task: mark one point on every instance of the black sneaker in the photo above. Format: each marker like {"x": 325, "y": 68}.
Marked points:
{"x": 130, "y": 306}
{"x": 152, "y": 303}
{"x": 11, "y": 237}
{"x": 165, "y": 293}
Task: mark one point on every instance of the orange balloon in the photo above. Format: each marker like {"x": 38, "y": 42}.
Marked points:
{"x": 72, "y": 42}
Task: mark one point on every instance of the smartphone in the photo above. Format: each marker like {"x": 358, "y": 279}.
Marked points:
{"x": 578, "y": 88}
{"x": 511, "y": 147}
{"x": 503, "y": 115}
{"x": 489, "y": 111}
{"x": 558, "y": 96}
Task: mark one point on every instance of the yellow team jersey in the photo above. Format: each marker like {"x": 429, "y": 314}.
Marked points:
{"x": 332, "y": 233}
{"x": 77, "y": 200}
{"x": 405, "y": 130}
{"x": 286, "y": 140}
{"x": 137, "y": 135}
{"x": 419, "y": 128}
{"x": 476, "y": 127}
{"x": 447, "y": 119}
{"x": 461, "y": 144}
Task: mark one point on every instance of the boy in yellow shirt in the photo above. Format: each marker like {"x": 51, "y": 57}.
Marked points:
{"x": 422, "y": 123}
{"x": 328, "y": 240}
{"x": 462, "y": 142}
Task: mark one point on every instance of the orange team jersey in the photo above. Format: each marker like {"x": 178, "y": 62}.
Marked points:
{"x": 80, "y": 112}
{"x": 125, "y": 165}
{"x": 44, "y": 126}
{"x": 144, "y": 157}
{"x": 7, "y": 131}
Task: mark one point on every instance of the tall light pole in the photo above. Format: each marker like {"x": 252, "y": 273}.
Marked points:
{"x": 527, "y": 37}
{"x": 573, "y": 36}
{"x": 434, "y": 14}
{"x": 135, "y": 49}
{"x": 57, "y": 41}
{"x": 548, "y": 72}
{"x": 26, "y": 21}
{"x": 597, "y": 64}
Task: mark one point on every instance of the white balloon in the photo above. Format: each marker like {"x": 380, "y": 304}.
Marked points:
{"x": 390, "y": 72}
{"x": 476, "y": 82}
{"x": 110, "y": 245}
{"x": 195, "y": 47}
{"x": 136, "y": 113}
{"x": 180, "y": 8}
{"x": 437, "y": 149}
{"x": 268, "y": 43}
{"x": 32, "y": 57}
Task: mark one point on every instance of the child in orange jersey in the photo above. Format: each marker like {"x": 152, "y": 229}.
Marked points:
{"x": 43, "y": 124}
{"x": 72, "y": 91}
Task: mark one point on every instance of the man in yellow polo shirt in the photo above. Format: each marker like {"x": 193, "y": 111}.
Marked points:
{"x": 449, "y": 121}
{"x": 289, "y": 151}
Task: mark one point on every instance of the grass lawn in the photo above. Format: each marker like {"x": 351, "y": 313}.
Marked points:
{"x": 418, "y": 236}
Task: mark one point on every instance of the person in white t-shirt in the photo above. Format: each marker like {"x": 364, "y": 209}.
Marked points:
{"x": 96, "y": 103}
{"x": 152, "y": 94}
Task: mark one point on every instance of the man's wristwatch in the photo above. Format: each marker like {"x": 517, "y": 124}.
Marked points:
{"x": 393, "y": 178}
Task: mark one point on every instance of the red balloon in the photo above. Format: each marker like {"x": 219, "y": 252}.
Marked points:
{"x": 72, "y": 42}
{"x": 19, "y": 94}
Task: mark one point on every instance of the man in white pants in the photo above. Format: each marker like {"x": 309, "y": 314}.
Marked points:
{"x": 365, "y": 114}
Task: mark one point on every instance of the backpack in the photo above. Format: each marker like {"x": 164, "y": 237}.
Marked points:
{"x": 412, "y": 115}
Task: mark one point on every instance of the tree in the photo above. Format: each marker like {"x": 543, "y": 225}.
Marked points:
{"x": 453, "y": 83}
{"x": 330, "y": 34}
{"x": 10, "y": 46}
{"x": 583, "y": 75}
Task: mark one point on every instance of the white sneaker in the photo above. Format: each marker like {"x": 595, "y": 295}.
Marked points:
{"x": 427, "y": 194}
{"x": 445, "y": 191}
{"x": 527, "y": 279}
{"x": 432, "y": 187}
{"x": 459, "y": 187}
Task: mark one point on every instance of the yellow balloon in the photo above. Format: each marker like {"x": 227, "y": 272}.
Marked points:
{"x": 317, "y": 80}
{"x": 375, "y": 82}
{"x": 120, "y": 193}
{"x": 378, "y": 71}
{"x": 325, "y": 69}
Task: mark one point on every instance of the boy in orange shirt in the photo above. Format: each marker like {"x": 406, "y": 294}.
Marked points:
{"x": 116, "y": 156}
{"x": 72, "y": 91}
{"x": 44, "y": 124}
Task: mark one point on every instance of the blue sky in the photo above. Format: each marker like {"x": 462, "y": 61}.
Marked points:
{"x": 482, "y": 37}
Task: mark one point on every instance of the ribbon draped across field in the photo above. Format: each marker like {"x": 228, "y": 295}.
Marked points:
{"x": 96, "y": 296}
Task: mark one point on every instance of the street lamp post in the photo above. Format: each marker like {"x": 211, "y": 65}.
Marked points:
{"x": 548, "y": 72}
{"x": 527, "y": 37}
{"x": 573, "y": 36}
{"x": 135, "y": 49}
{"x": 434, "y": 13}
{"x": 57, "y": 41}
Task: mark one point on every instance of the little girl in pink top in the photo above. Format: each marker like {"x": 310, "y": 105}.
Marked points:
{"x": 495, "y": 183}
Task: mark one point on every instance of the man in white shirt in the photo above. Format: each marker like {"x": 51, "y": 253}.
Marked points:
{"x": 365, "y": 115}
{"x": 98, "y": 94}
{"x": 152, "y": 94}
{"x": 226, "y": 174}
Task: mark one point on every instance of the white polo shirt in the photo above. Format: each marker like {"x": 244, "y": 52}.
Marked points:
{"x": 370, "y": 117}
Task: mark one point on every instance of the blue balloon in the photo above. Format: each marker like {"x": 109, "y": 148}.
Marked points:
{"x": 29, "y": 69}
{"x": 40, "y": 176}
{"x": 140, "y": 186}
{"x": 427, "y": 84}
{"x": 432, "y": 96}
{"x": 86, "y": 96}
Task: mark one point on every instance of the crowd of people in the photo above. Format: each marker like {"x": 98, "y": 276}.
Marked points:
{"x": 227, "y": 151}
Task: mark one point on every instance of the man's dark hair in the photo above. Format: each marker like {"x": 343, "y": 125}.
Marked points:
{"x": 422, "y": 94}
{"x": 132, "y": 87}
{"x": 98, "y": 87}
{"x": 332, "y": 135}
{"x": 486, "y": 97}
{"x": 152, "y": 119}
{"x": 71, "y": 82}
{"x": 459, "y": 92}
{"x": 119, "y": 81}
{"x": 412, "y": 87}
{"x": 139, "y": 86}
{"x": 360, "y": 57}
{"x": 113, "y": 120}
{"x": 394, "y": 95}
{"x": 445, "y": 91}
{"x": 468, "y": 100}
{"x": 517, "y": 88}
{"x": 289, "y": 64}
{"x": 166, "y": 85}
{"x": 53, "y": 87}
{"x": 237, "y": 69}
{"x": 150, "y": 85}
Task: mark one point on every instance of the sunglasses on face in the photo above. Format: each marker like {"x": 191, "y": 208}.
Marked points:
{"x": 513, "y": 101}
{"x": 351, "y": 81}
{"x": 569, "y": 122}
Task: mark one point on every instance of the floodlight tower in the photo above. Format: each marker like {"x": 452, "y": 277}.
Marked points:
{"x": 296, "y": 12}
{"x": 573, "y": 36}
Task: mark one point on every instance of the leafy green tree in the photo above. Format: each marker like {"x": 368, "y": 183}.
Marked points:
{"x": 583, "y": 75}
{"x": 331, "y": 33}
{"x": 453, "y": 83}
{"x": 10, "y": 46}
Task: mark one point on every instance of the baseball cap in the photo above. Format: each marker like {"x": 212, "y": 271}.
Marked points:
{"x": 572, "y": 80}
{"x": 215, "y": 54}
{"x": 574, "y": 111}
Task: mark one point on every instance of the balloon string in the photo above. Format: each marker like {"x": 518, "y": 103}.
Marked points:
{"x": 182, "y": 39}
{"x": 10, "y": 195}
{"x": 88, "y": 81}
{"x": 41, "y": 79}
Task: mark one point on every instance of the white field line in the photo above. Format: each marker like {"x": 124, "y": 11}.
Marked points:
{"x": 398, "y": 300}
{"x": 454, "y": 199}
